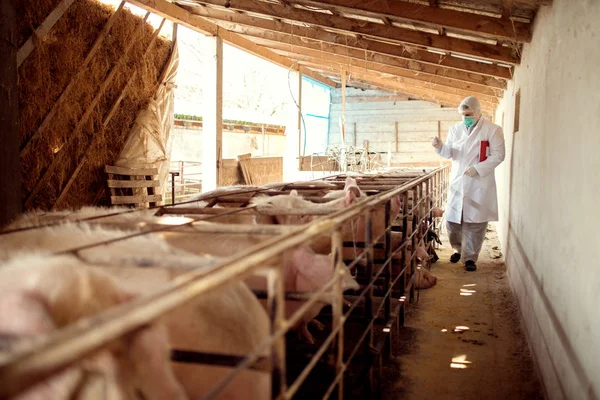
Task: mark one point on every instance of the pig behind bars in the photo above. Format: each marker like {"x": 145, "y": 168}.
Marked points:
{"x": 39, "y": 294}
{"x": 303, "y": 266}
{"x": 229, "y": 321}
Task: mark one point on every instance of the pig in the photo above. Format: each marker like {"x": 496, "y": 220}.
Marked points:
{"x": 39, "y": 294}
{"x": 423, "y": 255}
{"x": 301, "y": 262}
{"x": 424, "y": 279}
{"x": 305, "y": 271}
{"x": 351, "y": 231}
{"x": 437, "y": 212}
{"x": 203, "y": 324}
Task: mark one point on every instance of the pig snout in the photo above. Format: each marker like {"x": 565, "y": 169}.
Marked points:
{"x": 422, "y": 254}
{"x": 424, "y": 279}
{"x": 437, "y": 212}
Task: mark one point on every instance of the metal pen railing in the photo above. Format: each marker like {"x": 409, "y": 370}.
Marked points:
{"x": 20, "y": 369}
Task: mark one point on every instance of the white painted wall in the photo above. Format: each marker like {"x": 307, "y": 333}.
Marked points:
{"x": 187, "y": 145}
{"x": 376, "y": 121}
{"x": 548, "y": 186}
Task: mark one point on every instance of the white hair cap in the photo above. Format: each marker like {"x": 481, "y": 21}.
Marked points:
{"x": 470, "y": 103}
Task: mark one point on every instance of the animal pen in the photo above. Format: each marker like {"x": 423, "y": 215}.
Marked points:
{"x": 348, "y": 355}
{"x": 95, "y": 89}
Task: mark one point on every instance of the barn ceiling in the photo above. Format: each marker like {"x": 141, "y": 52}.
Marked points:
{"x": 435, "y": 50}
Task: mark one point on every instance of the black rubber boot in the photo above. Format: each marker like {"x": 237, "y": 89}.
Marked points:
{"x": 455, "y": 257}
{"x": 470, "y": 266}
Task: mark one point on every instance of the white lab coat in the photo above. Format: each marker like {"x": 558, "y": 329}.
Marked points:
{"x": 474, "y": 198}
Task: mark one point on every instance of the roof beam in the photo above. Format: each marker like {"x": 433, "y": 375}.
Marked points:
{"x": 284, "y": 32}
{"x": 506, "y": 7}
{"x": 480, "y": 25}
{"x": 380, "y": 31}
{"x": 413, "y": 69}
{"x": 423, "y": 94}
{"x": 490, "y": 102}
{"x": 184, "y": 17}
{"x": 315, "y": 57}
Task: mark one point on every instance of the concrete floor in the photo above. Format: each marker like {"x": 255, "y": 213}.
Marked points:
{"x": 438, "y": 358}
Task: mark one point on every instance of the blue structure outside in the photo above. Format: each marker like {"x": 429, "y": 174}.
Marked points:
{"x": 316, "y": 100}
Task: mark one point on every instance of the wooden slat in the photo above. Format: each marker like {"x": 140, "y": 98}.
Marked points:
{"x": 42, "y": 30}
{"x": 400, "y": 67}
{"x": 476, "y": 24}
{"x": 61, "y": 153}
{"x": 374, "y": 30}
{"x": 71, "y": 84}
{"x": 506, "y": 8}
{"x": 111, "y": 169}
{"x": 117, "y": 200}
{"x": 298, "y": 36}
{"x": 131, "y": 184}
{"x": 183, "y": 17}
{"x": 10, "y": 169}
{"x": 399, "y": 72}
{"x": 486, "y": 101}
{"x": 417, "y": 93}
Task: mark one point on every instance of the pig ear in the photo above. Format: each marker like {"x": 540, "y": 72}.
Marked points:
{"x": 350, "y": 198}
{"x": 355, "y": 189}
{"x": 294, "y": 193}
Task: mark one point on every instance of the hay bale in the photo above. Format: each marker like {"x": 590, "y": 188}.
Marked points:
{"x": 49, "y": 69}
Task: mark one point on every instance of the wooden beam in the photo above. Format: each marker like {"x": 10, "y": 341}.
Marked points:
{"x": 298, "y": 35}
{"x": 344, "y": 79}
{"x": 506, "y": 8}
{"x": 183, "y": 17}
{"x": 471, "y": 23}
{"x": 10, "y": 167}
{"x": 42, "y": 30}
{"x": 212, "y": 115}
{"x": 374, "y": 30}
{"x": 329, "y": 66}
{"x": 46, "y": 122}
{"x": 317, "y": 57}
{"x": 412, "y": 69}
{"x": 300, "y": 153}
{"x": 434, "y": 96}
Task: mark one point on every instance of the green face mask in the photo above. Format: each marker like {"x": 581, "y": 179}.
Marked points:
{"x": 469, "y": 121}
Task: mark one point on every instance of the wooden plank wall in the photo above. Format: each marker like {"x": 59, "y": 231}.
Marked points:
{"x": 264, "y": 170}
{"x": 392, "y": 122}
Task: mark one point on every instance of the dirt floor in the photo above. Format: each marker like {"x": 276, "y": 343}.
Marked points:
{"x": 463, "y": 339}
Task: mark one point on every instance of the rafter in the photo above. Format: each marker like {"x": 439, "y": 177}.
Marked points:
{"x": 404, "y": 68}
{"x": 288, "y": 33}
{"x": 315, "y": 57}
{"x": 374, "y": 30}
{"x": 506, "y": 8}
{"x": 490, "y": 102}
{"x": 416, "y": 93}
{"x": 184, "y": 17}
{"x": 480, "y": 25}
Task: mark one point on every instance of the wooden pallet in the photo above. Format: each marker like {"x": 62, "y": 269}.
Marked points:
{"x": 134, "y": 187}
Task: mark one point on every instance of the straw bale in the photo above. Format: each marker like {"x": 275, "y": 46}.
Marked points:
{"x": 49, "y": 69}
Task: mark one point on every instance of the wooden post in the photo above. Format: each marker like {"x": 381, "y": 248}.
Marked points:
{"x": 10, "y": 166}
{"x": 291, "y": 155}
{"x": 212, "y": 117}
{"x": 343, "y": 127}
{"x": 396, "y": 124}
{"x": 355, "y": 134}
{"x": 300, "y": 153}
{"x": 439, "y": 130}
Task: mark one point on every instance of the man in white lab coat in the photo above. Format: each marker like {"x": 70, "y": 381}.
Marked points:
{"x": 472, "y": 201}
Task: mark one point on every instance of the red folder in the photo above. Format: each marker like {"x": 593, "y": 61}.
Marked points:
{"x": 484, "y": 150}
